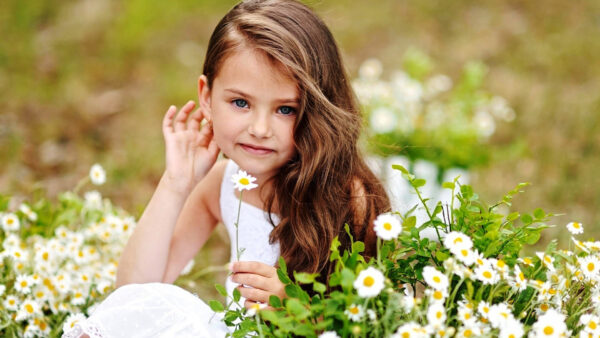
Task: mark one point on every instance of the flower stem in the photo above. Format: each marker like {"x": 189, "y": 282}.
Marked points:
{"x": 237, "y": 228}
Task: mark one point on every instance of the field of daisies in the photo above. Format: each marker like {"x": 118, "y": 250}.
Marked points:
{"x": 59, "y": 260}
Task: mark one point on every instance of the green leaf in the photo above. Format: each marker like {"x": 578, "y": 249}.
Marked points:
{"x": 358, "y": 247}
{"x": 305, "y": 278}
{"x": 526, "y": 219}
{"x": 347, "y": 278}
{"x": 221, "y": 289}
{"x": 236, "y": 295}
{"x": 419, "y": 182}
{"x": 539, "y": 213}
{"x": 441, "y": 255}
{"x": 532, "y": 236}
{"x": 216, "y": 306}
{"x": 294, "y": 307}
{"x": 409, "y": 222}
{"x": 399, "y": 167}
{"x": 319, "y": 287}
{"x": 448, "y": 185}
{"x": 283, "y": 277}
{"x": 282, "y": 265}
{"x": 274, "y": 301}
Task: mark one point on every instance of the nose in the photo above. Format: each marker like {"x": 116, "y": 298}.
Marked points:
{"x": 260, "y": 126}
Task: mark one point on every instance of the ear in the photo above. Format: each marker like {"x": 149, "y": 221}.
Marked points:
{"x": 204, "y": 96}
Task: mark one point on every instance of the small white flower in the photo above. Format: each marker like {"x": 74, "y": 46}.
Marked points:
{"x": 243, "y": 181}
{"x": 408, "y": 303}
{"x": 550, "y": 324}
{"x": 255, "y": 308}
{"x": 486, "y": 274}
{"x": 11, "y": 303}
{"x": 371, "y": 314}
{"x": 575, "y": 228}
{"x": 513, "y": 328}
{"x": 97, "y": 174}
{"x": 329, "y": 334}
{"x": 370, "y": 70}
{"x": 525, "y": 260}
{"x": 387, "y": 226}
{"x": 383, "y": 120}
{"x": 456, "y": 240}
{"x": 590, "y": 266}
{"x": 436, "y": 296}
{"x": 436, "y": 314}
{"x": 71, "y": 320}
{"x": 93, "y": 200}
{"x": 547, "y": 260}
{"x": 580, "y": 244}
{"x": 25, "y": 209}
{"x": 10, "y": 222}
{"x": 466, "y": 256}
{"x": 355, "y": 312}
{"x": 369, "y": 282}
{"x": 2, "y": 289}
{"x": 591, "y": 323}
{"x": 410, "y": 329}
{"x": 434, "y": 278}
{"x": 499, "y": 314}
{"x": 484, "y": 309}
{"x": 519, "y": 282}
{"x": 23, "y": 284}
{"x": 28, "y": 309}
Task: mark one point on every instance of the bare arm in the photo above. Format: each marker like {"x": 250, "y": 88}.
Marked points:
{"x": 190, "y": 154}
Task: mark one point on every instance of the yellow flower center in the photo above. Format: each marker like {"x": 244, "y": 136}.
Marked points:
{"x": 467, "y": 315}
{"x": 405, "y": 335}
{"x": 11, "y": 301}
{"x": 436, "y": 279}
{"x": 575, "y": 225}
{"x": 10, "y": 221}
{"x": 552, "y": 291}
{"x": 591, "y": 266}
{"x": 464, "y": 252}
{"x": 501, "y": 263}
{"x": 244, "y": 181}
{"x": 486, "y": 309}
{"x": 354, "y": 310}
{"x": 458, "y": 240}
{"x": 548, "y": 330}
{"x": 29, "y": 308}
{"x": 592, "y": 325}
{"x": 39, "y": 294}
{"x": 521, "y": 276}
{"x": 387, "y": 226}
{"x": 368, "y": 281}
{"x": 438, "y": 295}
{"x": 544, "y": 307}
{"x": 23, "y": 284}
{"x": 487, "y": 274}
{"x": 511, "y": 336}
{"x": 547, "y": 259}
{"x": 527, "y": 261}
{"x": 468, "y": 333}
{"x": 438, "y": 315}
{"x": 45, "y": 256}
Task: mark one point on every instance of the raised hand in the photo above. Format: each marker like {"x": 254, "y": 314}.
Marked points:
{"x": 190, "y": 148}
{"x": 261, "y": 277}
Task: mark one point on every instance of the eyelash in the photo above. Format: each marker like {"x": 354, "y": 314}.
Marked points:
{"x": 245, "y": 105}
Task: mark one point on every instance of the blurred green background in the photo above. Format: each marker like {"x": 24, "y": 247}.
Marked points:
{"x": 89, "y": 81}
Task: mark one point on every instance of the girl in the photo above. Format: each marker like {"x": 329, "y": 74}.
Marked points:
{"x": 278, "y": 104}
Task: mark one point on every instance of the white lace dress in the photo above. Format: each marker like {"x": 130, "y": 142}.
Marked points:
{"x": 165, "y": 310}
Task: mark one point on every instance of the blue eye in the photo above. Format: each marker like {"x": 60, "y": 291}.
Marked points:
{"x": 285, "y": 110}
{"x": 240, "y": 103}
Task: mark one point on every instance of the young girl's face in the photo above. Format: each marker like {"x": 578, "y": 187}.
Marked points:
{"x": 253, "y": 107}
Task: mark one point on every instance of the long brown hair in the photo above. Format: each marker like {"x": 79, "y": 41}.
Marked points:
{"x": 318, "y": 190}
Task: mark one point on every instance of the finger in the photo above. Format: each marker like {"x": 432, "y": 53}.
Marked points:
{"x": 254, "y": 295}
{"x": 182, "y": 116}
{"x": 196, "y": 120}
{"x": 206, "y": 135}
{"x": 168, "y": 119}
{"x": 251, "y": 279}
{"x": 254, "y": 267}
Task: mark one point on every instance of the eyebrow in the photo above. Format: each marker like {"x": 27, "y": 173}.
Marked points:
{"x": 283, "y": 100}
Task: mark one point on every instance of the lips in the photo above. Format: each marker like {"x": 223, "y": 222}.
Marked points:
{"x": 256, "y": 150}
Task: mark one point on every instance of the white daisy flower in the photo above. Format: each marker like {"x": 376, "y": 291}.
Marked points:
{"x": 469, "y": 331}
{"x": 519, "y": 282}
{"x": 590, "y": 266}
{"x": 97, "y": 174}
{"x": 456, "y": 241}
{"x": 383, "y": 120}
{"x": 71, "y": 320}
{"x": 18, "y": 254}
{"x": 484, "y": 309}
{"x": 369, "y": 282}
{"x": 499, "y": 315}
{"x": 575, "y": 228}
{"x": 465, "y": 315}
{"x": 547, "y": 260}
{"x": 486, "y": 274}
{"x": 580, "y": 244}
{"x": 480, "y": 260}
{"x": 591, "y": 323}
{"x": 436, "y": 296}
{"x": 525, "y": 260}
{"x": 10, "y": 222}
{"x": 513, "y": 328}
{"x": 11, "y": 303}
{"x": 434, "y": 278}
{"x": 40, "y": 294}
{"x": 410, "y": 329}
{"x": 25, "y": 209}
{"x": 40, "y": 327}
{"x": 387, "y": 226}
{"x": 466, "y": 256}
{"x": 255, "y": 308}
{"x": 436, "y": 314}
{"x": 500, "y": 266}
{"x": 372, "y": 315}
{"x": 243, "y": 181}
{"x": 355, "y": 312}
{"x": 329, "y": 334}
{"x": 370, "y": 69}
{"x": 408, "y": 303}
{"x": 23, "y": 284}
{"x": 93, "y": 200}
{"x": 28, "y": 309}
{"x": 550, "y": 324}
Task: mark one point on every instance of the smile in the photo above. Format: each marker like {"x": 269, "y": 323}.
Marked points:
{"x": 256, "y": 150}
